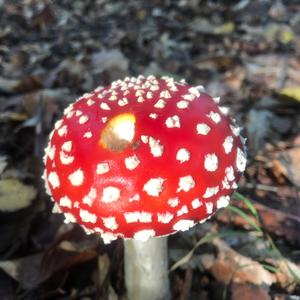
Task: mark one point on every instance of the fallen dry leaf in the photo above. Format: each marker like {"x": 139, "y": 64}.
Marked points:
{"x": 51, "y": 52}
{"x": 291, "y": 92}
{"x": 278, "y": 170}
{"x": 259, "y": 128}
{"x": 104, "y": 264}
{"x": 230, "y": 266}
{"x": 8, "y": 85}
{"x": 32, "y": 270}
{"x": 248, "y": 292}
{"x": 3, "y": 163}
{"x": 287, "y": 271}
{"x": 235, "y": 78}
{"x": 290, "y": 162}
{"x": 15, "y": 195}
{"x": 112, "y": 60}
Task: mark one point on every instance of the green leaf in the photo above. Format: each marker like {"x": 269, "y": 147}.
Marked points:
{"x": 248, "y": 203}
{"x": 244, "y": 216}
{"x": 295, "y": 276}
{"x": 270, "y": 268}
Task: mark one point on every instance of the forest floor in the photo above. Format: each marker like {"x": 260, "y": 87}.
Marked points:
{"x": 246, "y": 52}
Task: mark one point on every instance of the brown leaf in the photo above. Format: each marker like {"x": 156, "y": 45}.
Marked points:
{"x": 103, "y": 267}
{"x": 32, "y": 270}
{"x": 29, "y": 83}
{"x": 230, "y": 266}
{"x": 248, "y": 292}
{"x": 43, "y": 18}
{"x": 227, "y": 216}
{"x": 290, "y": 163}
{"x": 235, "y": 78}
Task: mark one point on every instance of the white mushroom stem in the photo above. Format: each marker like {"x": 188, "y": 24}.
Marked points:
{"x": 146, "y": 269}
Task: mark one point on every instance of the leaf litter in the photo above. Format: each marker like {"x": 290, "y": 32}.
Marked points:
{"x": 247, "y": 52}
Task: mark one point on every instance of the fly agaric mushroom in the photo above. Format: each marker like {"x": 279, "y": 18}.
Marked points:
{"x": 143, "y": 158}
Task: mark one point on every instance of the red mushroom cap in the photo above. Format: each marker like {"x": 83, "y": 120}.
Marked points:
{"x": 143, "y": 157}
